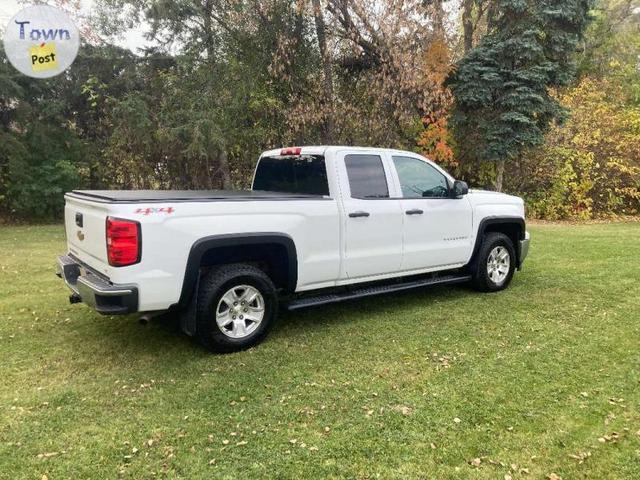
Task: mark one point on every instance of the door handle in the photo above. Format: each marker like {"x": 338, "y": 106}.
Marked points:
{"x": 415, "y": 211}
{"x": 359, "y": 214}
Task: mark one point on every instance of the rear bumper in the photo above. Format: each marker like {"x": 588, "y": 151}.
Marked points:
{"x": 95, "y": 290}
{"x": 524, "y": 249}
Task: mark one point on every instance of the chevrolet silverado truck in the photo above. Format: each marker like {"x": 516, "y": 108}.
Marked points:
{"x": 320, "y": 225}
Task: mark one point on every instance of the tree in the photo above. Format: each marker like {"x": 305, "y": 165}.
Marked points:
{"x": 502, "y": 101}
{"x": 327, "y": 70}
{"x": 590, "y": 165}
{"x": 41, "y": 154}
{"x": 392, "y": 60}
{"x": 612, "y": 45}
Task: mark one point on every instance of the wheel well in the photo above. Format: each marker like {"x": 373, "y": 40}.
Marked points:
{"x": 511, "y": 230}
{"x": 274, "y": 253}
{"x": 271, "y": 258}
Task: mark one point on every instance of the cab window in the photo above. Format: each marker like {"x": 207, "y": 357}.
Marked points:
{"x": 303, "y": 174}
{"x": 418, "y": 179}
{"x": 366, "y": 176}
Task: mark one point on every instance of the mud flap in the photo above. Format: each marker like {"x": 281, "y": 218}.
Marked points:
{"x": 188, "y": 315}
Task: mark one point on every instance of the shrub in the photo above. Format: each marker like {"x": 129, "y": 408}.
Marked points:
{"x": 589, "y": 167}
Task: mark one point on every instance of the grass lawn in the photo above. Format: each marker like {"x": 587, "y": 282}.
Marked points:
{"x": 538, "y": 380}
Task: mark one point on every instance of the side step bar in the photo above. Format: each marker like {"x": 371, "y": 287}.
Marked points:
{"x": 305, "y": 302}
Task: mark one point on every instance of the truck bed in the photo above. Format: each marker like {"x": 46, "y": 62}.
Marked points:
{"x": 149, "y": 196}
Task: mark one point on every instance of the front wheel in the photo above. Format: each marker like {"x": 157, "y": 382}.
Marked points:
{"x": 237, "y": 306}
{"x": 495, "y": 264}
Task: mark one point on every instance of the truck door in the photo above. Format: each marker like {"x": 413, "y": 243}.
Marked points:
{"x": 437, "y": 228}
{"x": 372, "y": 219}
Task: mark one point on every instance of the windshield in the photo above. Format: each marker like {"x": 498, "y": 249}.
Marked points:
{"x": 303, "y": 174}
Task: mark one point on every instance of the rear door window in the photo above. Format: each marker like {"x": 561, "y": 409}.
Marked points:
{"x": 366, "y": 176}
{"x": 304, "y": 174}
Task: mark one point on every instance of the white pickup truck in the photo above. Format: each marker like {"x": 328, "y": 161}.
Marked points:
{"x": 320, "y": 225}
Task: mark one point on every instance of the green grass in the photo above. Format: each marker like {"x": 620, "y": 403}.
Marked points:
{"x": 544, "y": 371}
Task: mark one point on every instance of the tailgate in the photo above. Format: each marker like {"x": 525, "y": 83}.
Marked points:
{"x": 85, "y": 225}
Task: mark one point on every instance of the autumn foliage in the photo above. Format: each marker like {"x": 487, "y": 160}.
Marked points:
{"x": 224, "y": 81}
{"x": 589, "y": 166}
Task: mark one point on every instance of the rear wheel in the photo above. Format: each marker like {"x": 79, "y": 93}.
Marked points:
{"x": 237, "y": 306}
{"x": 495, "y": 263}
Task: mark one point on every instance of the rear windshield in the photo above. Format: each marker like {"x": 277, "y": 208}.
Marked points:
{"x": 303, "y": 174}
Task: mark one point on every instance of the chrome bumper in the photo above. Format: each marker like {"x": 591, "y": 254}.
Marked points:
{"x": 89, "y": 287}
{"x": 524, "y": 249}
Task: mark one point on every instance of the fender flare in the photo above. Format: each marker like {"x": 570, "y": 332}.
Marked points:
{"x": 201, "y": 246}
{"x": 495, "y": 220}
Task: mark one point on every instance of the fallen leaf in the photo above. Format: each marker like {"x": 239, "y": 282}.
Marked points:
{"x": 580, "y": 456}
{"x": 612, "y": 437}
{"x": 403, "y": 409}
{"x": 475, "y": 462}
{"x": 457, "y": 420}
{"x": 47, "y": 454}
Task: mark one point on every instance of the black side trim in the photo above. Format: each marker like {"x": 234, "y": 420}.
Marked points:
{"x": 205, "y": 244}
{"x": 498, "y": 221}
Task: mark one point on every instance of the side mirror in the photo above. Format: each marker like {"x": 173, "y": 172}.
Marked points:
{"x": 460, "y": 189}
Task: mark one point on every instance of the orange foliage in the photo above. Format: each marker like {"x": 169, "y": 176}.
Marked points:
{"x": 435, "y": 142}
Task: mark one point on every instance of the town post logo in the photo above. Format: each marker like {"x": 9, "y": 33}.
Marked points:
{"x": 41, "y": 41}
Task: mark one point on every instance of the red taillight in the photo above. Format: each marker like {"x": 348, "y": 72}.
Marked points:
{"x": 291, "y": 151}
{"x": 123, "y": 242}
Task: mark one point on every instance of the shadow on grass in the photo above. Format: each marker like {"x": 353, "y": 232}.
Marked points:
{"x": 352, "y": 311}
{"x": 126, "y": 337}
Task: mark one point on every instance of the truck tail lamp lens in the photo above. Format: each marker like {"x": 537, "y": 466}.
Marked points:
{"x": 123, "y": 242}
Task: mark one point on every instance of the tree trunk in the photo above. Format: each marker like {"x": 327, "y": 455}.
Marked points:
{"x": 499, "y": 175}
{"x": 492, "y": 16}
{"x": 223, "y": 164}
{"x": 467, "y": 25}
{"x": 327, "y": 71}
{"x": 439, "y": 28}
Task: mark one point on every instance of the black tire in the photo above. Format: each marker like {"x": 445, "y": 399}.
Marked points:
{"x": 480, "y": 269}
{"x": 213, "y": 287}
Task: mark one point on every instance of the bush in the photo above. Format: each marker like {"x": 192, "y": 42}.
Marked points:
{"x": 39, "y": 167}
{"x": 589, "y": 167}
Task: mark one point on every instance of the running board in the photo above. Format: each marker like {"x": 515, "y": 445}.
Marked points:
{"x": 375, "y": 290}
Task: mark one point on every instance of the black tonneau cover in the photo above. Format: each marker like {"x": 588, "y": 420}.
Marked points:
{"x": 146, "y": 196}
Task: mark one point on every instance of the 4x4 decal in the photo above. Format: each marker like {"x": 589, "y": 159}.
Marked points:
{"x": 151, "y": 210}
